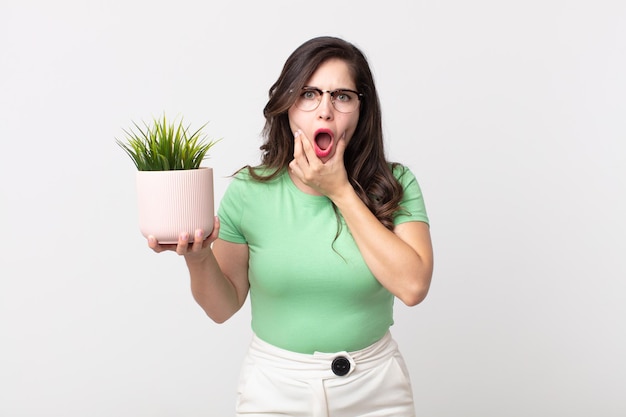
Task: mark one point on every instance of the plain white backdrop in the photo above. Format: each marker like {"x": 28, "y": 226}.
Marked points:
{"x": 510, "y": 113}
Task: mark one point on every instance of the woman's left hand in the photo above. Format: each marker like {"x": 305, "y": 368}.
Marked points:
{"x": 328, "y": 178}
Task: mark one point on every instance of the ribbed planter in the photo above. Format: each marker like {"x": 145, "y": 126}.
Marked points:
{"x": 172, "y": 202}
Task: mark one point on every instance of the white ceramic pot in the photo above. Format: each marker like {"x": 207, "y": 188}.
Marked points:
{"x": 171, "y": 202}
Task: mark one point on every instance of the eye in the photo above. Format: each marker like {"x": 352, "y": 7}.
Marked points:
{"x": 309, "y": 95}
{"x": 343, "y": 96}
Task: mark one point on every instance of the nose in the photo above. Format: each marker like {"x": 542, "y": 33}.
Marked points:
{"x": 325, "y": 109}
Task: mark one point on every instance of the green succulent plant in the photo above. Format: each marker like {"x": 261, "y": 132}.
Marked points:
{"x": 165, "y": 146}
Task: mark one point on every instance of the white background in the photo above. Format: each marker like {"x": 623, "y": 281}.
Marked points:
{"x": 510, "y": 113}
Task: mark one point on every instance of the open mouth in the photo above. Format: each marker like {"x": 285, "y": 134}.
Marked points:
{"x": 324, "y": 140}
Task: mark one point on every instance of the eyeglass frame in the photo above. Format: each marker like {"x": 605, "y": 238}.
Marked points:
{"x": 332, "y": 93}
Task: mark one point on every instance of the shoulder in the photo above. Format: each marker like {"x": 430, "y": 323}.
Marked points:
{"x": 252, "y": 180}
{"x": 258, "y": 174}
{"x": 246, "y": 193}
{"x": 403, "y": 174}
{"x": 412, "y": 207}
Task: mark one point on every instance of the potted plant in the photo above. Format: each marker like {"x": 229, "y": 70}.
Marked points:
{"x": 174, "y": 193}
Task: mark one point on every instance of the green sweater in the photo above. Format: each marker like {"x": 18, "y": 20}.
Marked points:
{"x": 307, "y": 293}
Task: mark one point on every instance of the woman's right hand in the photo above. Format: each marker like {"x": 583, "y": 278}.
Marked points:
{"x": 195, "y": 251}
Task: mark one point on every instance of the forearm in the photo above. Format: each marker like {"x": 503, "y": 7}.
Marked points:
{"x": 212, "y": 290}
{"x": 398, "y": 266}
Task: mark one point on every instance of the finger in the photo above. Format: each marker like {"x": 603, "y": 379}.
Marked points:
{"x": 341, "y": 146}
{"x": 298, "y": 155}
{"x": 198, "y": 240}
{"x": 183, "y": 243}
{"x": 297, "y": 145}
{"x": 295, "y": 168}
{"x": 154, "y": 245}
{"x": 215, "y": 233}
{"x": 157, "y": 247}
{"x": 299, "y": 152}
{"x": 216, "y": 228}
{"x": 308, "y": 150}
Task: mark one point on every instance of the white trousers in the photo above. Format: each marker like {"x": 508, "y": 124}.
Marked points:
{"x": 372, "y": 382}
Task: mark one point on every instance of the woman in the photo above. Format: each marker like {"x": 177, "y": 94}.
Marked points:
{"x": 323, "y": 234}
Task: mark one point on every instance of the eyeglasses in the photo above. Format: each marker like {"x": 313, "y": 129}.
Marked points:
{"x": 344, "y": 101}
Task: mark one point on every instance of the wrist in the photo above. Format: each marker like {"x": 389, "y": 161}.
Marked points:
{"x": 344, "y": 196}
{"x": 197, "y": 261}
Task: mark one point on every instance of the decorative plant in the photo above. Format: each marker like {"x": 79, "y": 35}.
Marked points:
{"x": 165, "y": 146}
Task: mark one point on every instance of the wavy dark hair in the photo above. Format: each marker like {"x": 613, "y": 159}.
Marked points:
{"x": 368, "y": 170}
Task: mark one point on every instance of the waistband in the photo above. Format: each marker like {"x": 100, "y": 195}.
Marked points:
{"x": 322, "y": 364}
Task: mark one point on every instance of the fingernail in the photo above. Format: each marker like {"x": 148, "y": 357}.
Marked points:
{"x": 199, "y": 234}
{"x": 296, "y": 134}
{"x": 185, "y": 236}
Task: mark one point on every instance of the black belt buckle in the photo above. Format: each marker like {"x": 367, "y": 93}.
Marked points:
{"x": 340, "y": 366}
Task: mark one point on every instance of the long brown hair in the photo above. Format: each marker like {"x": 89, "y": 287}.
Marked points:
{"x": 368, "y": 170}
